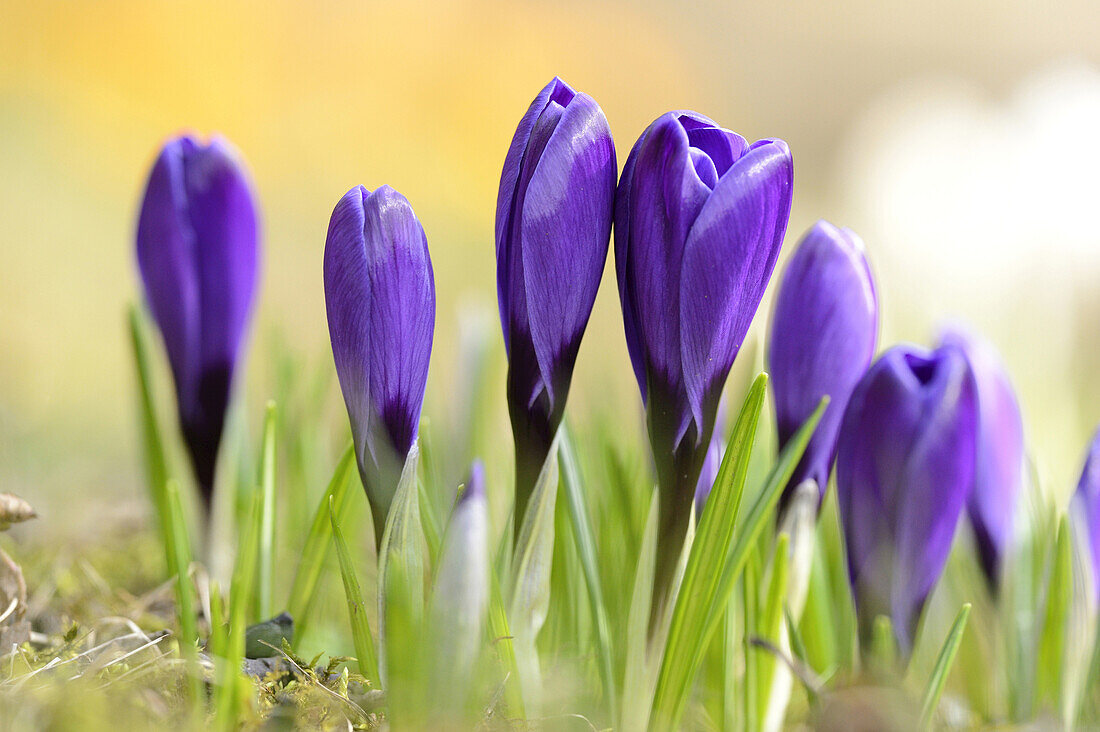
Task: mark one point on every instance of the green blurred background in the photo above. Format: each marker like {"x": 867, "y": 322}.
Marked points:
{"x": 958, "y": 138}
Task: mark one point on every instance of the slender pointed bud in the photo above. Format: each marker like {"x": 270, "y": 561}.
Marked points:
{"x": 700, "y": 216}
{"x": 197, "y": 251}
{"x": 380, "y": 297}
{"x": 905, "y": 464}
{"x": 999, "y": 471}
{"x": 822, "y": 340}
{"x": 553, "y": 226}
{"x": 459, "y": 600}
{"x": 1085, "y": 508}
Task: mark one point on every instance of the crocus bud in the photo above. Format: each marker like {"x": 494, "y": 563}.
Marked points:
{"x": 459, "y": 599}
{"x": 197, "y": 253}
{"x": 700, "y": 216}
{"x": 999, "y": 470}
{"x": 380, "y": 297}
{"x": 1085, "y": 508}
{"x": 905, "y": 463}
{"x": 822, "y": 340}
{"x": 553, "y": 224}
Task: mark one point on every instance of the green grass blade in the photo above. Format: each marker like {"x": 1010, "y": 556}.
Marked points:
{"x": 227, "y": 695}
{"x": 762, "y": 510}
{"x": 938, "y": 679}
{"x": 1053, "y": 637}
{"x": 357, "y": 610}
{"x": 751, "y": 608}
{"x": 318, "y": 543}
{"x": 771, "y": 621}
{"x": 401, "y": 602}
{"x": 501, "y": 636}
{"x": 156, "y": 463}
{"x": 697, "y": 594}
{"x": 531, "y": 564}
{"x": 798, "y": 645}
{"x": 684, "y": 652}
{"x": 637, "y": 674}
{"x": 730, "y": 662}
{"x": 265, "y": 591}
{"x": 218, "y": 629}
{"x": 177, "y": 538}
{"x": 429, "y": 522}
{"x": 586, "y": 550}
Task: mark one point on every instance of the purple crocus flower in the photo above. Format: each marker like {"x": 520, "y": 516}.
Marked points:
{"x": 905, "y": 464}
{"x": 1085, "y": 507}
{"x": 197, "y": 253}
{"x": 700, "y": 216}
{"x": 822, "y": 340}
{"x": 998, "y": 473}
{"x": 553, "y": 225}
{"x": 380, "y": 297}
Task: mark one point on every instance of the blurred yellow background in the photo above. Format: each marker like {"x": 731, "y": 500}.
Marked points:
{"x": 958, "y": 138}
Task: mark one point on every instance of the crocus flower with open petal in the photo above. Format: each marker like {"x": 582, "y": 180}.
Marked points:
{"x": 998, "y": 473}
{"x": 905, "y": 463}
{"x": 380, "y": 297}
{"x": 700, "y": 216}
{"x": 553, "y": 225}
{"x": 197, "y": 253}
{"x": 1085, "y": 508}
{"x": 822, "y": 340}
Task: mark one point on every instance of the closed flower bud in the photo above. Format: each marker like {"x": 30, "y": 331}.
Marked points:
{"x": 999, "y": 470}
{"x": 380, "y": 297}
{"x": 459, "y": 600}
{"x": 197, "y": 254}
{"x": 700, "y": 216}
{"x": 823, "y": 334}
{"x": 553, "y": 223}
{"x": 905, "y": 464}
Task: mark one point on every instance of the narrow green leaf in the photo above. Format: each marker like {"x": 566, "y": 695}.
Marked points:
{"x": 1053, "y": 637}
{"x": 177, "y": 538}
{"x": 357, "y": 610}
{"x": 586, "y": 550}
{"x": 697, "y": 594}
{"x": 731, "y": 657}
{"x": 156, "y": 464}
{"x": 265, "y": 590}
{"x": 938, "y": 679}
{"x": 771, "y": 620}
{"x": 698, "y": 622}
{"x": 401, "y": 602}
{"x": 303, "y": 590}
{"x": 751, "y": 608}
{"x": 430, "y": 523}
{"x": 764, "y": 508}
{"x": 501, "y": 637}
{"x": 218, "y": 627}
{"x": 884, "y": 646}
{"x": 531, "y": 564}
{"x": 227, "y": 694}
{"x": 798, "y": 646}
{"x": 638, "y": 673}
